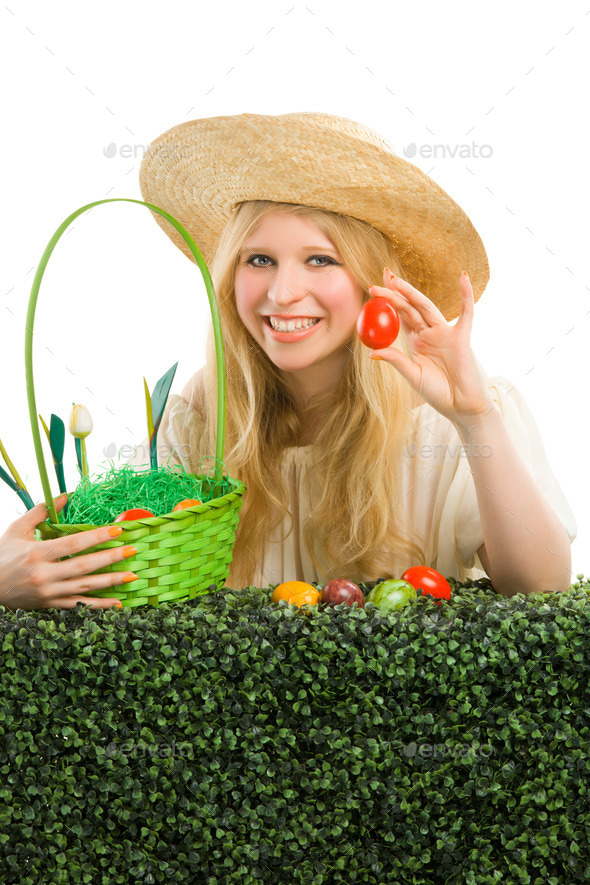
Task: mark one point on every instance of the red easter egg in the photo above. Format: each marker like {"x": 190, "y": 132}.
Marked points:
{"x": 134, "y": 513}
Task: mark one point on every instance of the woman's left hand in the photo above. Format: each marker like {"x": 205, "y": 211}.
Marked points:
{"x": 443, "y": 368}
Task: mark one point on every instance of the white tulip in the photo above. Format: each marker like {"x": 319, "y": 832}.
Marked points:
{"x": 80, "y": 422}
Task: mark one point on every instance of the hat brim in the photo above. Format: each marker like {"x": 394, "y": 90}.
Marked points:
{"x": 200, "y": 170}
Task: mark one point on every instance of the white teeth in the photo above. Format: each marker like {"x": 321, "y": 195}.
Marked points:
{"x": 291, "y": 325}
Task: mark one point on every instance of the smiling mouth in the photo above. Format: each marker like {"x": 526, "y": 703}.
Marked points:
{"x": 291, "y": 325}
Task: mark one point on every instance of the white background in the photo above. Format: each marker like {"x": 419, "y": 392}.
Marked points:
{"x": 494, "y": 102}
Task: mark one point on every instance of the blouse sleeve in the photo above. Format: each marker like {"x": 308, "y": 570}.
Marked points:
{"x": 460, "y": 525}
{"x": 172, "y": 449}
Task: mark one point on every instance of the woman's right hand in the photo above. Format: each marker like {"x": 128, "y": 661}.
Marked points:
{"x": 31, "y": 577}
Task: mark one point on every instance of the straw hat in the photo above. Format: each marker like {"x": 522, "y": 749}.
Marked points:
{"x": 200, "y": 170}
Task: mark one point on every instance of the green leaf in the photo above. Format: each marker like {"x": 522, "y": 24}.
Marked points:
{"x": 158, "y": 405}
{"x": 15, "y": 484}
{"x": 57, "y": 436}
{"x": 160, "y": 394}
{"x": 8, "y": 479}
{"x": 148, "y": 407}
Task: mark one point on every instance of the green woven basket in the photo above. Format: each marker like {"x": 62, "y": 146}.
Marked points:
{"x": 180, "y": 554}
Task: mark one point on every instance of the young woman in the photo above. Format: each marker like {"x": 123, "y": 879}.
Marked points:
{"x": 357, "y": 464}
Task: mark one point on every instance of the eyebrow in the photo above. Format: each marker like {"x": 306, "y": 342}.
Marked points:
{"x": 304, "y": 249}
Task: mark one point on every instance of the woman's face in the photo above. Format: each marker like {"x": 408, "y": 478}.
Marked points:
{"x": 297, "y": 299}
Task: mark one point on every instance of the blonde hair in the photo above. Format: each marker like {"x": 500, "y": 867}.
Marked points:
{"x": 355, "y": 529}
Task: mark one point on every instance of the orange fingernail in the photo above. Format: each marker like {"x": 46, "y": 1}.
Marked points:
{"x": 375, "y": 357}
{"x": 129, "y": 551}
{"x": 115, "y": 531}
{"x": 117, "y": 605}
{"x": 130, "y": 577}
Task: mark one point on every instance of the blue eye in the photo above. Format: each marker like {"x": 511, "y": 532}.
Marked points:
{"x": 323, "y": 258}
{"x": 254, "y": 258}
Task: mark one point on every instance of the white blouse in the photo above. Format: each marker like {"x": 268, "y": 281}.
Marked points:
{"x": 440, "y": 497}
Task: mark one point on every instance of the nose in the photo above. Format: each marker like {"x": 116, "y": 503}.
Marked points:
{"x": 288, "y": 286}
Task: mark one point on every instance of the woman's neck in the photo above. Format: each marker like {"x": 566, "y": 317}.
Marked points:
{"x": 306, "y": 438}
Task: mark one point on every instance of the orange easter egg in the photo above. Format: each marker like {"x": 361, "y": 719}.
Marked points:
{"x": 188, "y": 502}
{"x": 289, "y": 589}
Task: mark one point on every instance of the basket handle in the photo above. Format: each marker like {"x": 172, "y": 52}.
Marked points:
{"x": 29, "y": 337}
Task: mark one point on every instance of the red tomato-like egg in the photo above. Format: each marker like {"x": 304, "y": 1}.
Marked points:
{"x": 428, "y": 581}
{"x": 377, "y": 324}
{"x": 134, "y": 513}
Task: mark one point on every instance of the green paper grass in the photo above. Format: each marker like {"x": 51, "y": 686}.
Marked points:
{"x": 99, "y": 500}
